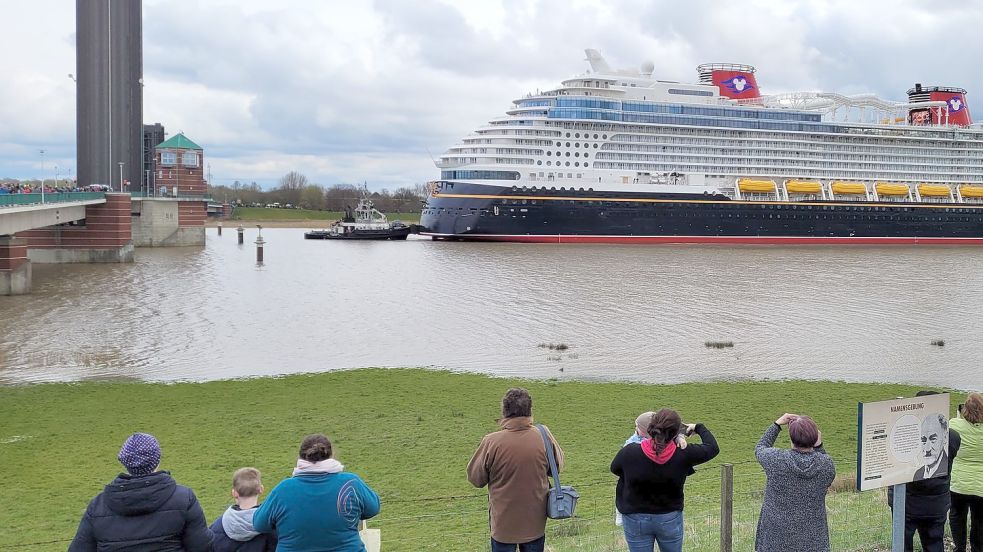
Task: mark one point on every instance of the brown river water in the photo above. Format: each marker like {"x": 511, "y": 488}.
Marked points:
{"x": 639, "y": 313}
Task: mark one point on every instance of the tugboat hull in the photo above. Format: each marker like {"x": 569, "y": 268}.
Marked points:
{"x": 391, "y": 234}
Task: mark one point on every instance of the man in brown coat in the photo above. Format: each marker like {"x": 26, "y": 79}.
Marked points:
{"x": 513, "y": 463}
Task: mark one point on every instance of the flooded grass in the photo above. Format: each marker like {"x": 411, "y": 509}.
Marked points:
{"x": 939, "y": 343}
{"x": 718, "y": 344}
{"x": 554, "y": 346}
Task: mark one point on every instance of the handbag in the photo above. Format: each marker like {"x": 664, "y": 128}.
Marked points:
{"x": 371, "y": 538}
{"x": 561, "y": 501}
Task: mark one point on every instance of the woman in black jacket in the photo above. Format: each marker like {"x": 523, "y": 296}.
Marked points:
{"x": 143, "y": 509}
{"x": 651, "y": 476}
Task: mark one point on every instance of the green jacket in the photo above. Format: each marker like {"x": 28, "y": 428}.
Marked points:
{"x": 967, "y": 469}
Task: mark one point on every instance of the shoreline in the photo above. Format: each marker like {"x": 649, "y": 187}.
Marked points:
{"x": 428, "y": 421}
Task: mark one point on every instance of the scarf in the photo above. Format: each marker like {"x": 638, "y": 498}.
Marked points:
{"x": 324, "y": 466}
{"x": 648, "y": 447}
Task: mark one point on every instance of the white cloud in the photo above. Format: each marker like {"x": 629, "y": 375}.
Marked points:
{"x": 358, "y": 90}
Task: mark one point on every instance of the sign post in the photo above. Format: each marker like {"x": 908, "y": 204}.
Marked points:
{"x": 900, "y": 441}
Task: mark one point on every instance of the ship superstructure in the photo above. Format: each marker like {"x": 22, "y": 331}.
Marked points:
{"x": 608, "y": 154}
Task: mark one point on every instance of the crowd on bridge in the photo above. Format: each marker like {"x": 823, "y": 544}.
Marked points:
{"x": 27, "y": 188}
{"x": 320, "y": 506}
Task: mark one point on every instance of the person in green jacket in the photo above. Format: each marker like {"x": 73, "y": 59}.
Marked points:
{"x": 966, "y": 487}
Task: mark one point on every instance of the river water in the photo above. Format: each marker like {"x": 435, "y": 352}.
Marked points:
{"x": 640, "y": 313}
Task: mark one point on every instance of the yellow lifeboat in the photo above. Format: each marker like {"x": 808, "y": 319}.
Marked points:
{"x": 933, "y": 190}
{"x": 849, "y": 188}
{"x": 971, "y": 191}
{"x": 751, "y": 185}
{"x": 803, "y": 187}
{"x": 888, "y": 189}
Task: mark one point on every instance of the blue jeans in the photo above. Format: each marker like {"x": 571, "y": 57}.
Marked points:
{"x": 643, "y": 530}
{"x": 537, "y": 545}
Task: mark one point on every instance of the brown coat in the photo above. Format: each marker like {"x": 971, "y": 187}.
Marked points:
{"x": 513, "y": 464}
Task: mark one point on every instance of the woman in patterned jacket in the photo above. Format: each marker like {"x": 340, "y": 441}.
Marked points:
{"x": 793, "y": 514}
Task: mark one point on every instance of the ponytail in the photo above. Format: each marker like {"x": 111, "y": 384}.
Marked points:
{"x": 664, "y": 428}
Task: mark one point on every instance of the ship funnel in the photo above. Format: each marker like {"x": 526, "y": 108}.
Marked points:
{"x": 955, "y": 113}
{"x": 734, "y": 80}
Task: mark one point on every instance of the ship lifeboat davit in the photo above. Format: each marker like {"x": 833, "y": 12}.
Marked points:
{"x": 848, "y": 188}
{"x": 756, "y": 186}
{"x": 971, "y": 191}
{"x": 933, "y": 190}
{"x": 888, "y": 189}
{"x": 803, "y": 187}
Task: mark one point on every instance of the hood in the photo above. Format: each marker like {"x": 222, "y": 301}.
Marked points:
{"x": 132, "y": 495}
{"x": 804, "y": 464}
{"x": 238, "y": 524}
{"x": 648, "y": 447}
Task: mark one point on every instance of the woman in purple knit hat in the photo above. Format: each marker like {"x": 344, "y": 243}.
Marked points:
{"x": 143, "y": 509}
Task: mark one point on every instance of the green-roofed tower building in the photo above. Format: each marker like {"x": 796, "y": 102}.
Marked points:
{"x": 180, "y": 167}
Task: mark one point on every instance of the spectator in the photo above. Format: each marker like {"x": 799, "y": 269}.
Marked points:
{"x": 320, "y": 507}
{"x": 967, "y": 476}
{"x": 651, "y": 476}
{"x": 234, "y": 531}
{"x": 641, "y": 432}
{"x": 143, "y": 509}
{"x": 793, "y": 514}
{"x": 513, "y": 464}
{"x": 927, "y": 497}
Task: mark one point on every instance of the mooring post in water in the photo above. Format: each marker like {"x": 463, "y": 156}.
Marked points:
{"x": 220, "y": 229}
{"x": 241, "y": 230}
{"x": 259, "y": 246}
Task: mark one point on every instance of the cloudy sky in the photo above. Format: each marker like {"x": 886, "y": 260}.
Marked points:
{"x": 367, "y": 90}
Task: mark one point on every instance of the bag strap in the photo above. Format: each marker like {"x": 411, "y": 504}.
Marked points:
{"x": 554, "y": 471}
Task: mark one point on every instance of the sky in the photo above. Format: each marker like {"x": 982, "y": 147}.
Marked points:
{"x": 371, "y": 91}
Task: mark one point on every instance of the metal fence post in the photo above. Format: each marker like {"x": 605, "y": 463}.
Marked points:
{"x": 727, "y": 508}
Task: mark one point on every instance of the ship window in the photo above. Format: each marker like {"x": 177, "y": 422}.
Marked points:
{"x": 539, "y": 162}
{"x": 568, "y": 154}
{"x": 595, "y": 146}
{"x": 549, "y": 153}
{"x": 567, "y": 163}
{"x": 576, "y": 164}
{"x": 576, "y": 154}
{"x": 578, "y": 135}
{"x": 586, "y": 154}
{"x": 577, "y": 145}
{"x": 568, "y": 135}
{"x": 549, "y": 163}
{"x": 585, "y": 164}
{"x": 558, "y": 144}
{"x": 568, "y": 144}
{"x": 569, "y": 175}
{"x": 595, "y": 136}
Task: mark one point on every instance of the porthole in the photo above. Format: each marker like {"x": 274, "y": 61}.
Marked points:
{"x": 558, "y": 144}
{"x": 577, "y": 145}
{"x": 577, "y": 135}
{"x": 595, "y": 146}
{"x": 549, "y": 153}
{"x": 595, "y": 136}
{"x": 568, "y": 144}
{"x": 549, "y": 163}
{"x": 605, "y": 137}
{"x": 568, "y": 154}
{"x": 568, "y": 135}
{"x": 586, "y": 154}
{"x": 576, "y": 154}
{"x": 576, "y": 164}
{"x": 539, "y": 162}
{"x": 557, "y": 154}
{"x": 585, "y": 165}
{"x": 568, "y": 163}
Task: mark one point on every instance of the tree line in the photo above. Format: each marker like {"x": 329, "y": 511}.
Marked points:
{"x": 295, "y": 189}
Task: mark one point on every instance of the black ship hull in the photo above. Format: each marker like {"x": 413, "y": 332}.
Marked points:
{"x": 465, "y": 211}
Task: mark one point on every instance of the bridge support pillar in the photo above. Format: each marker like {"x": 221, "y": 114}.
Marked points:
{"x": 15, "y": 267}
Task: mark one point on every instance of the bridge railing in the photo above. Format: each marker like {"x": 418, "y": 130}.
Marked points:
{"x": 179, "y": 196}
{"x": 10, "y": 200}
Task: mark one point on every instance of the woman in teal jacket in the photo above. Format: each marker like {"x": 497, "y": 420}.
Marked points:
{"x": 319, "y": 508}
{"x": 966, "y": 481}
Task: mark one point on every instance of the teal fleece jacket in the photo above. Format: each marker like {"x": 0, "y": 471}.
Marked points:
{"x": 317, "y": 512}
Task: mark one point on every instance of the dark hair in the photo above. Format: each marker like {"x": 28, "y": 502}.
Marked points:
{"x": 803, "y": 432}
{"x": 315, "y": 448}
{"x": 516, "y": 402}
{"x": 664, "y": 428}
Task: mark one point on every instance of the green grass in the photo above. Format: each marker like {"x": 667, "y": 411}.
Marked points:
{"x": 409, "y": 433}
{"x": 262, "y": 213}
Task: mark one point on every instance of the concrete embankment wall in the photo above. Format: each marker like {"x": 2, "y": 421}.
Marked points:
{"x": 168, "y": 223}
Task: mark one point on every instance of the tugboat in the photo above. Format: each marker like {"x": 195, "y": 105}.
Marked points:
{"x": 364, "y": 222}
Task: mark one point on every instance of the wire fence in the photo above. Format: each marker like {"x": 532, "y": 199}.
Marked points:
{"x": 859, "y": 522}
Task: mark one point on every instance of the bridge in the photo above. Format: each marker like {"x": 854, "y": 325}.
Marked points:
{"x": 90, "y": 227}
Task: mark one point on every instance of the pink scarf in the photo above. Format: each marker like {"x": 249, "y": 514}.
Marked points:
{"x": 648, "y": 447}
{"x": 324, "y": 466}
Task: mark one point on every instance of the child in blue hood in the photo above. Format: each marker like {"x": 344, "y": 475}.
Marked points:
{"x": 234, "y": 531}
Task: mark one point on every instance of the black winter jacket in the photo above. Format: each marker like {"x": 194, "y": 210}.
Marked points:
{"x": 150, "y": 512}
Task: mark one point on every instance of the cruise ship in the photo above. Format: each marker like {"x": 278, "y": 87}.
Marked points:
{"x": 618, "y": 156}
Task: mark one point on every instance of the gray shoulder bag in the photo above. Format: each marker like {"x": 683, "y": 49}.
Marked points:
{"x": 561, "y": 500}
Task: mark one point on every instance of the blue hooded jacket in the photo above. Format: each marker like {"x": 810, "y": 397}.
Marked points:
{"x": 317, "y": 512}
{"x": 234, "y": 532}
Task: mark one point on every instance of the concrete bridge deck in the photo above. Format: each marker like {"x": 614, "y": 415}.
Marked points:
{"x": 20, "y": 212}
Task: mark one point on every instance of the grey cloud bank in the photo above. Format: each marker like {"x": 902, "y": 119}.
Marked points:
{"x": 366, "y": 91}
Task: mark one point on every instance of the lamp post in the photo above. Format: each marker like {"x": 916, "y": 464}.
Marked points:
{"x": 121, "y": 163}
{"x": 42, "y": 176}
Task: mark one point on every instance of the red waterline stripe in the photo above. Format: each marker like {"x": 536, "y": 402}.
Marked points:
{"x": 756, "y": 240}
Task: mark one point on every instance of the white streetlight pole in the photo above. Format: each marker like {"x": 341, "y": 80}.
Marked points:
{"x": 121, "y": 176}
{"x": 42, "y": 176}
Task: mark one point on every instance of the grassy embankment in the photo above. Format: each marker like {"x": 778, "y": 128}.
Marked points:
{"x": 299, "y": 217}
{"x": 409, "y": 434}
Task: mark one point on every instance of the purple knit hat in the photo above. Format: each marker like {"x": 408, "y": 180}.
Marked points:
{"x": 140, "y": 454}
